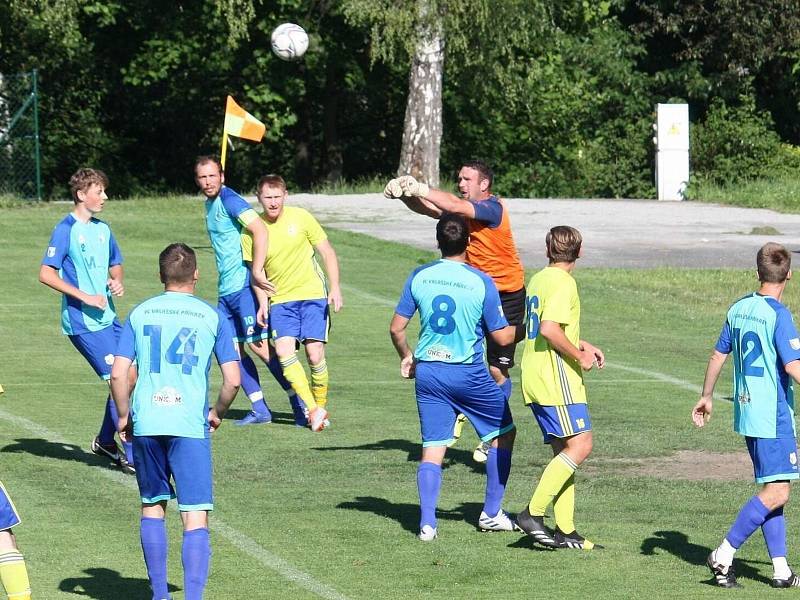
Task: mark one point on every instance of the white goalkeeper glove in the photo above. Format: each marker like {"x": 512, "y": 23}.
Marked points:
{"x": 412, "y": 187}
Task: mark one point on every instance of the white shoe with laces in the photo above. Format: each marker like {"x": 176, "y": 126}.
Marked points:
{"x": 428, "y": 533}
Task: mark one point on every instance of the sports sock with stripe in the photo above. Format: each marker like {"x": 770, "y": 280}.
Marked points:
{"x": 319, "y": 382}
{"x": 251, "y": 384}
{"x": 293, "y": 371}
{"x": 555, "y": 476}
{"x": 14, "y": 575}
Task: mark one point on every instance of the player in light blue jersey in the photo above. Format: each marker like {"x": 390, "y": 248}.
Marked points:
{"x": 456, "y": 305}
{"x": 84, "y": 263}
{"x": 227, "y": 214}
{"x": 760, "y": 334}
{"x": 173, "y": 337}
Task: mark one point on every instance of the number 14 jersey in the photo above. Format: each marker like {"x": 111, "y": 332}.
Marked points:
{"x": 457, "y": 304}
{"x": 762, "y": 337}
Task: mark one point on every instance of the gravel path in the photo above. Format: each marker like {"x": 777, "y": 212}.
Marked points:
{"x": 616, "y": 233}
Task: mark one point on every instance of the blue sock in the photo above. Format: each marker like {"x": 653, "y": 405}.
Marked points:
{"x": 298, "y": 410}
{"x": 774, "y": 530}
{"x": 109, "y": 426}
{"x": 750, "y": 518}
{"x": 498, "y": 466}
{"x": 153, "y": 533}
{"x": 252, "y": 385}
{"x": 196, "y": 554}
{"x": 429, "y": 482}
{"x": 128, "y": 447}
{"x": 274, "y": 366}
{"x": 506, "y": 387}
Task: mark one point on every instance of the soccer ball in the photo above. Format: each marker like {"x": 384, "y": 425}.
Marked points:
{"x": 289, "y": 41}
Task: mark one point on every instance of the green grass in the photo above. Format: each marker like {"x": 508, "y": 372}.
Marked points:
{"x": 780, "y": 194}
{"x": 305, "y": 516}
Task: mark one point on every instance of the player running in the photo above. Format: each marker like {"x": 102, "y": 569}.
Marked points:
{"x": 456, "y": 305}
{"x": 84, "y": 263}
{"x": 227, "y": 215}
{"x": 299, "y": 309}
{"x": 760, "y": 334}
{"x": 552, "y": 368}
{"x": 173, "y": 337}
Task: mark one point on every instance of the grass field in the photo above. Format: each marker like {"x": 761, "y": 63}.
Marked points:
{"x": 334, "y": 515}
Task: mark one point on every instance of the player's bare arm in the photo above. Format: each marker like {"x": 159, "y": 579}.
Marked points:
{"x": 599, "y": 357}
{"x": 397, "y": 330}
{"x": 231, "y": 380}
{"x": 121, "y": 394}
{"x": 443, "y": 201}
{"x": 701, "y": 412}
{"x": 332, "y": 270}
{"x": 49, "y": 276}
{"x": 554, "y": 334}
{"x": 504, "y": 336}
{"x": 260, "y": 235}
{"x": 114, "y": 282}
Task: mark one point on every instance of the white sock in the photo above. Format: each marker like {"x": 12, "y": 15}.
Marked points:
{"x": 781, "y": 568}
{"x": 724, "y": 553}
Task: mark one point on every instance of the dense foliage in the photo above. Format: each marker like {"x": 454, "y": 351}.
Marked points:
{"x": 557, "y": 95}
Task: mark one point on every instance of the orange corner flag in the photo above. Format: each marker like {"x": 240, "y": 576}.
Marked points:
{"x": 241, "y": 124}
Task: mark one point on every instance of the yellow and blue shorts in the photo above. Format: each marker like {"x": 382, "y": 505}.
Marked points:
{"x": 562, "y": 421}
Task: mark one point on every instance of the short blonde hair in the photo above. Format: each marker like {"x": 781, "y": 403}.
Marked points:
{"x": 563, "y": 244}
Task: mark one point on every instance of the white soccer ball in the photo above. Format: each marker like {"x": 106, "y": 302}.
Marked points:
{"x": 289, "y": 41}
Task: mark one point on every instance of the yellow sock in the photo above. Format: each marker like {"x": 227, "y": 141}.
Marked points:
{"x": 294, "y": 373}
{"x": 564, "y": 506}
{"x": 555, "y": 476}
{"x": 15, "y": 576}
{"x": 319, "y": 383}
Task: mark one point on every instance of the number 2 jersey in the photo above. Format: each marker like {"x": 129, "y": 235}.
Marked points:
{"x": 762, "y": 337}
{"x": 457, "y": 304}
{"x": 172, "y": 337}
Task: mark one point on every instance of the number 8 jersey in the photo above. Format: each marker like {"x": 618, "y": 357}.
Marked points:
{"x": 760, "y": 333}
{"x": 457, "y": 304}
{"x": 172, "y": 338}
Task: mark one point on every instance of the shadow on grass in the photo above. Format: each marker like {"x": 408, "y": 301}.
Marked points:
{"x": 678, "y": 544}
{"x": 413, "y": 452}
{"x": 48, "y": 449}
{"x": 105, "y": 584}
{"x": 407, "y": 515}
{"x": 278, "y": 418}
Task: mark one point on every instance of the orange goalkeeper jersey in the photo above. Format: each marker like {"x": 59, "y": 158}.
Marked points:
{"x": 491, "y": 245}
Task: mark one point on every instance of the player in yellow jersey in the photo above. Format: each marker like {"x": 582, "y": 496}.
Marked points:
{"x": 299, "y": 309}
{"x": 552, "y": 366}
{"x": 13, "y": 573}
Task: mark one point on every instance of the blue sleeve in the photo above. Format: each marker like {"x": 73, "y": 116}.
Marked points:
{"x": 233, "y": 202}
{"x": 787, "y": 342}
{"x": 489, "y": 212}
{"x": 58, "y": 248}
{"x": 493, "y": 316}
{"x": 126, "y": 345}
{"x": 725, "y": 342}
{"x": 407, "y": 306}
{"x": 224, "y": 348}
{"x": 115, "y": 254}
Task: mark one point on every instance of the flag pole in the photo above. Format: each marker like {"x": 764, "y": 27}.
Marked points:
{"x": 224, "y": 151}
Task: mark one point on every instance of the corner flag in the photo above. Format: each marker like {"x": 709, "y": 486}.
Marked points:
{"x": 239, "y": 123}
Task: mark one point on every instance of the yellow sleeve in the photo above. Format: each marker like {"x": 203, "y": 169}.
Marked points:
{"x": 247, "y": 216}
{"x": 247, "y": 246}
{"x": 314, "y": 231}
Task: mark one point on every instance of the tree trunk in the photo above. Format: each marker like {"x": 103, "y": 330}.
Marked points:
{"x": 422, "y": 129}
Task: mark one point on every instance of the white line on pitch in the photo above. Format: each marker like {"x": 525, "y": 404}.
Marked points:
{"x": 234, "y": 537}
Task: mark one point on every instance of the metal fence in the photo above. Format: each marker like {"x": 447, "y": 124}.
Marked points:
{"x": 20, "y": 153}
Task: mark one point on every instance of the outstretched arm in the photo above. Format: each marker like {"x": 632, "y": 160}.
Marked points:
{"x": 701, "y": 412}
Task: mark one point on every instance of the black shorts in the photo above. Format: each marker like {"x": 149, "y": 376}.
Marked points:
{"x": 514, "y": 308}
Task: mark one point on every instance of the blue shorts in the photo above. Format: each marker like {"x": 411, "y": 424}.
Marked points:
{"x": 774, "y": 459}
{"x": 241, "y": 308}
{"x": 300, "y": 319}
{"x": 187, "y": 461}
{"x": 98, "y": 347}
{"x": 445, "y": 390}
{"x": 562, "y": 421}
{"x": 8, "y": 514}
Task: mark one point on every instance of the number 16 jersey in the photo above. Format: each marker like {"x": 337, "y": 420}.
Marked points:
{"x": 762, "y": 337}
{"x": 457, "y": 304}
{"x": 172, "y": 338}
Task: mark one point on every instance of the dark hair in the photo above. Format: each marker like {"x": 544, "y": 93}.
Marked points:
{"x": 177, "y": 264}
{"x": 773, "y": 262}
{"x": 208, "y": 158}
{"x": 452, "y": 234}
{"x": 484, "y": 170}
{"x": 83, "y": 179}
{"x": 563, "y": 244}
{"x": 271, "y": 181}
